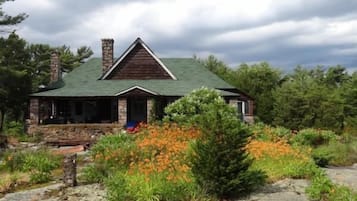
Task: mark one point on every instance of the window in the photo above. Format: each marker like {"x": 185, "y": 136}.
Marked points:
{"x": 246, "y": 107}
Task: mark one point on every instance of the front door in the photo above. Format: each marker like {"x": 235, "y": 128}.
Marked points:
{"x": 137, "y": 109}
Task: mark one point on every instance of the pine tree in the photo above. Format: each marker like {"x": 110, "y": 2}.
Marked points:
{"x": 220, "y": 163}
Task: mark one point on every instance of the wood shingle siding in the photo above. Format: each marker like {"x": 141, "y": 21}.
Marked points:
{"x": 139, "y": 64}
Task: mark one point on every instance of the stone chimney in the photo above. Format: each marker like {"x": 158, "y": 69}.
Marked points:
{"x": 56, "y": 73}
{"x": 107, "y": 53}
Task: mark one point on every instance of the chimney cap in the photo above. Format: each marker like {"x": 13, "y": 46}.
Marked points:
{"x": 107, "y": 39}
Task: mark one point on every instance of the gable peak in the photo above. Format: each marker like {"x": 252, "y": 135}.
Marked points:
{"x": 129, "y": 54}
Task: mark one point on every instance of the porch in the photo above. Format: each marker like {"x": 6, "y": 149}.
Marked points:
{"x": 96, "y": 110}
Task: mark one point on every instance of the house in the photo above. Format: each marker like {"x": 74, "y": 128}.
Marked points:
{"x": 106, "y": 93}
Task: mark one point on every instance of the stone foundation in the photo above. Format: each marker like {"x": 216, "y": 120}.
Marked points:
{"x": 72, "y": 134}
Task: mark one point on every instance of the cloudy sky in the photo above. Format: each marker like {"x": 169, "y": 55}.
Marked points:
{"x": 285, "y": 33}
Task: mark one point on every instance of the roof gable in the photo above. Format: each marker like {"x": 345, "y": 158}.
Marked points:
{"x": 140, "y": 63}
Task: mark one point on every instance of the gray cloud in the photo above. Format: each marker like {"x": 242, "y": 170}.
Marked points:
{"x": 283, "y": 33}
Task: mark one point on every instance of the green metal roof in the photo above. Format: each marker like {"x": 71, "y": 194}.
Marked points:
{"x": 84, "y": 81}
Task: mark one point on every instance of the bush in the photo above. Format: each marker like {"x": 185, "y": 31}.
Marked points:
{"x": 14, "y": 128}
{"x": 39, "y": 163}
{"x": 267, "y": 133}
{"x": 322, "y": 156}
{"x": 14, "y": 160}
{"x": 136, "y": 186}
{"x": 314, "y": 137}
{"x": 189, "y": 108}
{"x": 322, "y": 188}
{"x": 110, "y": 153}
{"x": 280, "y": 160}
{"x": 339, "y": 154}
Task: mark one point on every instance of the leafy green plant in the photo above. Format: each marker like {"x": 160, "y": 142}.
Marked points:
{"x": 338, "y": 153}
{"x": 14, "y": 128}
{"x": 135, "y": 186}
{"x": 95, "y": 173}
{"x": 111, "y": 153}
{"x": 277, "y": 168}
{"x": 314, "y": 137}
{"x": 322, "y": 156}
{"x": 14, "y": 160}
{"x": 189, "y": 108}
{"x": 40, "y": 164}
{"x": 322, "y": 188}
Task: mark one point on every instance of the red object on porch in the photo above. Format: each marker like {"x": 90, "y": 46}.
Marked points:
{"x": 134, "y": 127}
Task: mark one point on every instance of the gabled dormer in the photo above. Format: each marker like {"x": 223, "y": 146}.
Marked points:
{"x": 138, "y": 62}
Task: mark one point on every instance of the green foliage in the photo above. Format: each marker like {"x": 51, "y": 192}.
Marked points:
{"x": 314, "y": 137}
{"x": 14, "y": 128}
{"x": 259, "y": 81}
{"x": 40, "y": 55}
{"x": 218, "y": 160}
{"x": 278, "y": 168}
{"x": 111, "y": 153}
{"x": 38, "y": 163}
{"x": 322, "y": 156}
{"x": 15, "y": 82}
{"x": 135, "y": 186}
{"x": 6, "y": 20}
{"x": 218, "y": 67}
{"x": 268, "y": 133}
{"x": 322, "y": 188}
{"x": 14, "y": 161}
{"x": 338, "y": 153}
{"x": 23, "y": 67}
{"x": 95, "y": 173}
{"x": 306, "y": 99}
{"x": 189, "y": 108}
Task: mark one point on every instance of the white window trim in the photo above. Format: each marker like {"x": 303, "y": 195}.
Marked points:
{"x": 136, "y": 87}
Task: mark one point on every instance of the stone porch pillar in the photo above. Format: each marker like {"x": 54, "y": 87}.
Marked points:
{"x": 122, "y": 111}
{"x": 149, "y": 109}
{"x": 34, "y": 111}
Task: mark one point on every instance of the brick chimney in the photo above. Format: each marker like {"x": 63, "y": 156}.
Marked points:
{"x": 107, "y": 53}
{"x": 56, "y": 73}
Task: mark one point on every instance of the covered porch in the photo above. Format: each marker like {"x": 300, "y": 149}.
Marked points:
{"x": 121, "y": 110}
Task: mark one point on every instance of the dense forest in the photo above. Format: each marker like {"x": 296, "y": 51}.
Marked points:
{"x": 319, "y": 97}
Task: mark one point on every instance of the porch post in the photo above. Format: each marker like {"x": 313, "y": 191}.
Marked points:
{"x": 251, "y": 107}
{"x": 34, "y": 111}
{"x": 149, "y": 109}
{"x": 122, "y": 111}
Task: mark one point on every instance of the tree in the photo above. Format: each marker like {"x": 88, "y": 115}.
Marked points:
{"x": 7, "y": 20}
{"x": 303, "y": 101}
{"x": 219, "y": 161}
{"x": 218, "y": 67}
{"x": 349, "y": 93}
{"x": 40, "y": 56}
{"x": 259, "y": 80}
{"x": 15, "y": 82}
